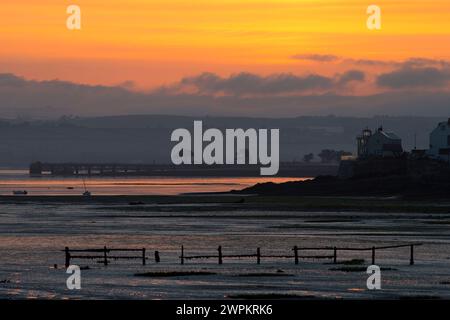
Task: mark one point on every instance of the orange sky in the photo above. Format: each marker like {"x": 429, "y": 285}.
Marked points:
{"x": 152, "y": 42}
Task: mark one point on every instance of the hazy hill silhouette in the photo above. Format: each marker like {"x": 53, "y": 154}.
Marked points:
{"x": 146, "y": 138}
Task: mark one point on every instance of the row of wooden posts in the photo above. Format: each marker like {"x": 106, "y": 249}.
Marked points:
{"x": 103, "y": 254}
{"x": 297, "y": 256}
{"x": 103, "y": 257}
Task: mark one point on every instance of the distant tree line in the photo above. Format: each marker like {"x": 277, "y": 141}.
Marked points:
{"x": 327, "y": 156}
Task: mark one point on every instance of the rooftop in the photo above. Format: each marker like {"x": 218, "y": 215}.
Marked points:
{"x": 390, "y": 135}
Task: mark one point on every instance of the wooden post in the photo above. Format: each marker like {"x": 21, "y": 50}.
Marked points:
{"x": 220, "y": 254}
{"x": 157, "y": 259}
{"x": 296, "y": 254}
{"x": 373, "y": 255}
{"x": 334, "y": 255}
{"x": 105, "y": 257}
{"x": 67, "y": 257}
{"x": 258, "y": 256}
{"x": 182, "y": 255}
{"x": 411, "y": 260}
{"x": 143, "y": 256}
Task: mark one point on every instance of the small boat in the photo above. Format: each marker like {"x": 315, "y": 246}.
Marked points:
{"x": 86, "y": 193}
{"x": 20, "y": 192}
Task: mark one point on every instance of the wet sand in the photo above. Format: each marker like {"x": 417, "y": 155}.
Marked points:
{"x": 34, "y": 230}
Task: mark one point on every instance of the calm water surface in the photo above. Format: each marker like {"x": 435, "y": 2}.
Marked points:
{"x": 20, "y": 180}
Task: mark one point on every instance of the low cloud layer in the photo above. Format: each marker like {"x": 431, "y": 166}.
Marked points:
{"x": 350, "y": 76}
{"x": 412, "y": 73}
{"x": 247, "y": 84}
{"x": 408, "y": 77}
{"x": 402, "y": 89}
{"x": 410, "y": 62}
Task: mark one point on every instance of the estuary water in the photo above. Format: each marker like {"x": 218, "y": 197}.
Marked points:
{"x": 11, "y": 180}
{"x": 34, "y": 233}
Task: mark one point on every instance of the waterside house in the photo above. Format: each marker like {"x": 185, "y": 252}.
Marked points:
{"x": 440, "y": 142}
{"x": 379, "y": 144}
{"x": 381, "y": 154}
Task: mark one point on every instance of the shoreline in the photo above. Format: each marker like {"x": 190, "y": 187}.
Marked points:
{"x": 233, "y": 202}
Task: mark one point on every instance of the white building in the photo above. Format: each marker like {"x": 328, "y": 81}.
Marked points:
{"x": 440, "y": 142}
{"x": 379, "y": 144}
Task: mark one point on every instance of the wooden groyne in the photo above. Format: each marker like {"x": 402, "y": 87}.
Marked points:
{"x": 296, "y": 256}
{"x": 105, "y": 255}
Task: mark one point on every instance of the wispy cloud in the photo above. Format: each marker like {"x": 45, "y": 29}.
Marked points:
{"x": 410, "y": 62}
{"x": 316, "y": 57}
